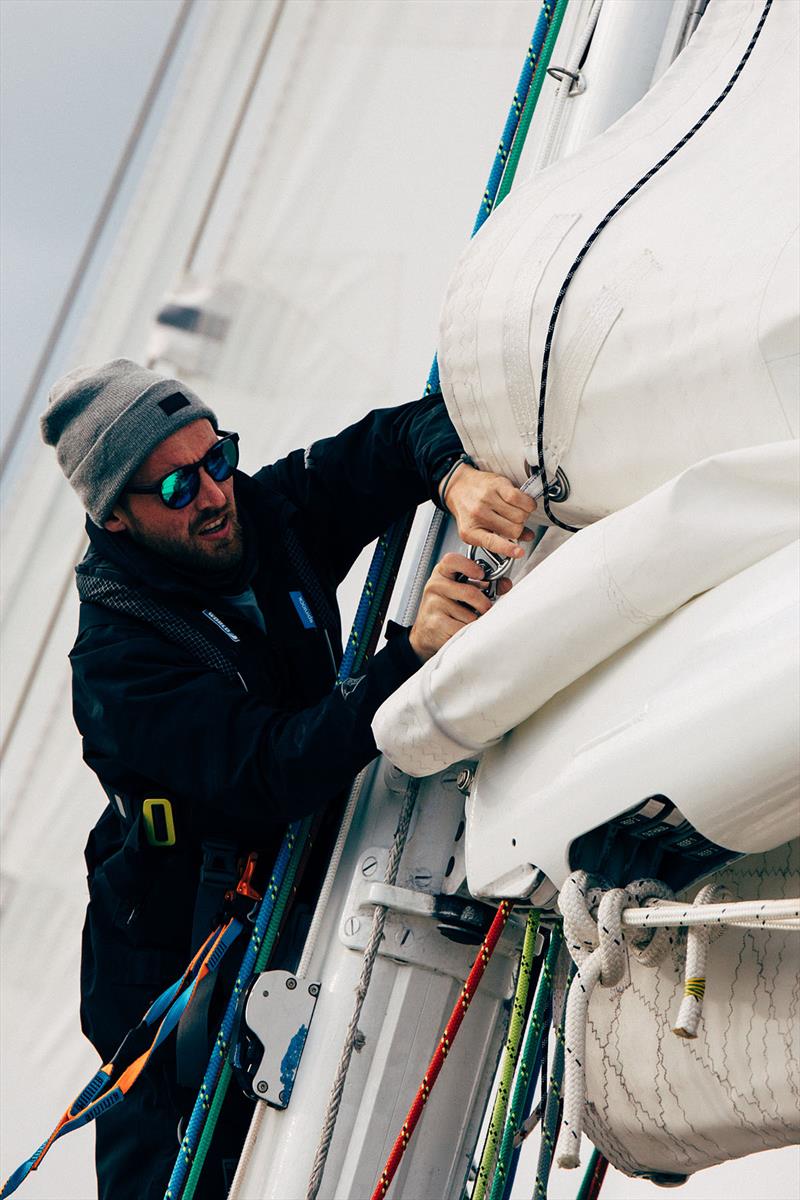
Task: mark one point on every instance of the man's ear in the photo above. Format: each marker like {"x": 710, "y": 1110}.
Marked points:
{"x": 116, "y": 523}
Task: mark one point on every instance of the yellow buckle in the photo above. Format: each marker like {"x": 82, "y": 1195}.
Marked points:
{"x": 159, "y": 824}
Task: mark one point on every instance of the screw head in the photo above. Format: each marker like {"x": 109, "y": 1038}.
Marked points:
{"x": 464, "y": 780}
{"x": 351, "y": 926}
{"x": 422, "y": 877}
{"x": 282, "y": 1097}
{"x": 369, "y": 866}
{"x": 262, "y": 1086}
{"x": 291, "y": 983}
{"x": 265, "y": 994}
{"x": 313, "y": 989}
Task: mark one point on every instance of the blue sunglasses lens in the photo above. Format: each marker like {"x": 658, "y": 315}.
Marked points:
{"x": 222, "y": 460}
{"x": 180, "y": 487}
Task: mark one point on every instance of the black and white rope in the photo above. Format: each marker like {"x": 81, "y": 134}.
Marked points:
{"x": 592, "y": 238}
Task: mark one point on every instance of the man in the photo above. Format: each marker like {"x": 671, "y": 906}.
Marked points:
{"x": 204, "y": 673}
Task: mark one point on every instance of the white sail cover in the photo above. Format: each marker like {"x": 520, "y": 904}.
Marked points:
{"x": 599, "y": 592}
{"x": 661, "y": 1103}
{"x": 678, "y": 337}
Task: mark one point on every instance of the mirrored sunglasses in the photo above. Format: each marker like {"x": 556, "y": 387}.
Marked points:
{"x": 180, "y": 487}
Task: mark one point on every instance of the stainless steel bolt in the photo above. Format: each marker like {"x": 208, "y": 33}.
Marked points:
{"x": 369, "y": 866}
{"x": 464, "y": 780}
{"x": 313, "y": 989}
{"x": 262, "y": 1086}
{"x": 291, "y": 983}
{"x": 352, "y": 926}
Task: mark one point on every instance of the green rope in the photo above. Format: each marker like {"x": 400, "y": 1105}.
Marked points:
{"x": 530, "y": 104}
{"x": 265, "y": 950}
{"x": 363, "y": 647}
{"x": 552, "y": 1113}
{"x": 510, "y": 1054}
{"x": 530, "y": 1051}
{"x": 593, "y": 1177}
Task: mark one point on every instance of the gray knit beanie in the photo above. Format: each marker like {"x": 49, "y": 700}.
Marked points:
{"x": 105, "y": 421}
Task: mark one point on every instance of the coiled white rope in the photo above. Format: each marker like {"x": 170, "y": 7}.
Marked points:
{"x": 598, "y": 945}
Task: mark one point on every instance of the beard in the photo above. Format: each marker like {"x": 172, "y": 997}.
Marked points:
{"x": 191, "y": 551}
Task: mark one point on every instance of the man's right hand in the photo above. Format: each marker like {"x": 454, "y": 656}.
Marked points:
{"x": 448, "y": 605}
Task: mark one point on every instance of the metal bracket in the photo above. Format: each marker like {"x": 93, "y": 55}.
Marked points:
{"x": 577, "y": 79}
{"x": 411, "y": 933}
{"x": 277, "y": 1015}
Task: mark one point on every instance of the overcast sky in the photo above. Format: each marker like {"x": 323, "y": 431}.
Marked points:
{"x": 73, "y": 74}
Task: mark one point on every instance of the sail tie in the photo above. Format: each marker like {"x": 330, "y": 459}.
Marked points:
{"x": 594, "y": 915}
{"x": 598, "y": 946}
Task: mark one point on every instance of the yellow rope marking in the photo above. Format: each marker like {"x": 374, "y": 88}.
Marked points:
{"x": 695, "y": 987}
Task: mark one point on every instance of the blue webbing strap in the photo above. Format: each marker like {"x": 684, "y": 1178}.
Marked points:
{"x": 94, "y": 1099}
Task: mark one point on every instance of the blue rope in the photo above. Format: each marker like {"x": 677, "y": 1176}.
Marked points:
{"x": 389, "y": 543}
{"x": 433, "y": 384}
{"x": 202, "y": 1104}
{"x": 514, "y": 114}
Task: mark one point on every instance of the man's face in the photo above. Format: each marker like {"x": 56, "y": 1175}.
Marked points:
{"x": 192, "y": 536}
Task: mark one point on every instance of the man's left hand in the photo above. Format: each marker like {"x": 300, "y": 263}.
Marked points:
{"x": 489, "y": 511}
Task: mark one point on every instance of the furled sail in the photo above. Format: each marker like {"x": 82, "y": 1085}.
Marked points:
{"x": 644, "y": 671}
{"x": 678, "y": 335}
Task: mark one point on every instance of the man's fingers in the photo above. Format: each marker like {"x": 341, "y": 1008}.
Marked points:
{"x": 472, "y": 594}
{"x": 453, "y": 564}
{"x": 513, "y": 496}
{"x": 496, "y": 543}
{"x": 492, "y": 521}
{"x": 466, "y": 593}
{"x": 512, "y": 510}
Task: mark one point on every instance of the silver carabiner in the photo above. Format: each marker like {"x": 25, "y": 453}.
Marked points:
{"x": 494, "y": 567}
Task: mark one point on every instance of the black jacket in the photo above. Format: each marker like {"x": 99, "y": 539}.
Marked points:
{"x": 238, "y": 758}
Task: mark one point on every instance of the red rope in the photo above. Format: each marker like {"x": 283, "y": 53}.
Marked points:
{"x": 443, "y": 1049}
{"x": 598, "y": 1175}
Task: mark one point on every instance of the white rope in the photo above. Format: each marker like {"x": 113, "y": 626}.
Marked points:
{"x": 564, "y": 89}
{"x": 597, "y": 944}
{"x": 752, "y": 914}
{"x": 694, "y": 987}
{"x": 598, "y": 947}
{"x": 352, "y": 1034}
{"x": 422, "y": 571}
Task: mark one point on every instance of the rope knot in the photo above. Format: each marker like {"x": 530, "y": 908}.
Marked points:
{"x": 592, "y": 912}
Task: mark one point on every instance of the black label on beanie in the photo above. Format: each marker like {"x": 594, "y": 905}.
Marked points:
{"x": 171, "y": 404}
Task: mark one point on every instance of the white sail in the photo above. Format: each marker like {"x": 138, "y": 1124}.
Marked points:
{"x": 679, "y": 335}
{"x": 315, "y": 246}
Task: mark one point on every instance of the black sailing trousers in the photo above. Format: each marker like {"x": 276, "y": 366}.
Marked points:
{"x": 137, "y": 1141}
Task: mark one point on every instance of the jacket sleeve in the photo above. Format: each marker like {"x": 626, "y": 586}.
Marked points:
{"x": 242, "y": 766}
{"x": 350, "y": 488}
